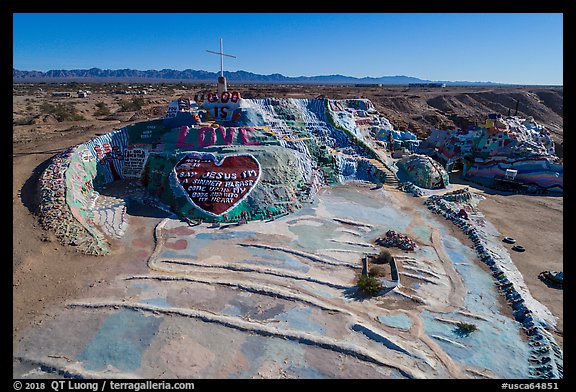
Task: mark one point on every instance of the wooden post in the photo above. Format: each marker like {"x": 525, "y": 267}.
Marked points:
{"x": 365, "y": 265}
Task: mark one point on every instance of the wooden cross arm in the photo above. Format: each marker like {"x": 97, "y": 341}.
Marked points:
{"x": 221, "y": 54}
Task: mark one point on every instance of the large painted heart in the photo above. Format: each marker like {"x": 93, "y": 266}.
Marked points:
{"x": 217, "y": 187}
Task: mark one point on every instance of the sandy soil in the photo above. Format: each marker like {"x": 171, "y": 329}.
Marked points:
{"x": 46, "y": 274}
{"x": 535, "y": 222}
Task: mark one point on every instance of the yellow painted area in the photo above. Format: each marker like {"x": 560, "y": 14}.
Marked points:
{"x": 373, "y": 161}
{"x": 214, "y": 124}
{"x": 283, "y": 136}
{"x": 299, "y": 138}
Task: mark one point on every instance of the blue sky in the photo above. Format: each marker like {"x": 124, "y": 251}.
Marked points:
{"x": 522, "y": 48}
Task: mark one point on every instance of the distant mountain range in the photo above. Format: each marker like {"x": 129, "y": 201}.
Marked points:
{"x": 190, "y": 75}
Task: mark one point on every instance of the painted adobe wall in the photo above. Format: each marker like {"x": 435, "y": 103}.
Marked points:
{"x": 500, "y": 144}
{"x": 66, "y": 195}
{"x": 540, "y": 171}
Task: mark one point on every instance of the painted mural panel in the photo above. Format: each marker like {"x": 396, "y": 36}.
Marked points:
{"x": 216, "y": 187}
{"x": 108, "y": 150}
{"x": 134, "y": 162}
{"x": 79, "y": 187}
{"x": 539, "y": 171}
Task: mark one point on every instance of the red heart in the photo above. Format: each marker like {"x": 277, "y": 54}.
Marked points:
{"x": 216, "y": 188}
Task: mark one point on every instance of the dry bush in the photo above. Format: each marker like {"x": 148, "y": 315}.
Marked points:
{"x": 103, "y": 109}
{"x": 384, "y": 257}
{"x": 377, "y": 271}
{"x": 62, "y": 112}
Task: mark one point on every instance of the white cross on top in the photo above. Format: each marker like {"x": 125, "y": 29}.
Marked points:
{"x": 221, "y": 54}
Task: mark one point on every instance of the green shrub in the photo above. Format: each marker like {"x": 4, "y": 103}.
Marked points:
{"x": 131, "y": 106}
{"x": 103, "y": 109}
{"x": 62, "y": 112}
{"x": 369, "y": 284}
{"x": 465, "y": 328}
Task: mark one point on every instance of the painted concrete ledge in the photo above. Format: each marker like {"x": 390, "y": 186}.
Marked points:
{"x": 407, "y": 370}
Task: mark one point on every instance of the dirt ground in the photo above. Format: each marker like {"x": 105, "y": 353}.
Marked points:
{"x": 45, "y": 273}
{"x": 535, "y": 222}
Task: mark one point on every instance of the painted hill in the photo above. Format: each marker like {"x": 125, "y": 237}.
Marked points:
{"x": 221, "y": 162}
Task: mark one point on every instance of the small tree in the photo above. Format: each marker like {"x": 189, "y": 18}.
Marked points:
{"x": 369, "y": 284}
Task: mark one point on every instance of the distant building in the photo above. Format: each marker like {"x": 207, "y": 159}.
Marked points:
{"x": 433, "y": 85}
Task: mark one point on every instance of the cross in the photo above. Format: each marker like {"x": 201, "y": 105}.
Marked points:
{"x": 221, "y": 54}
